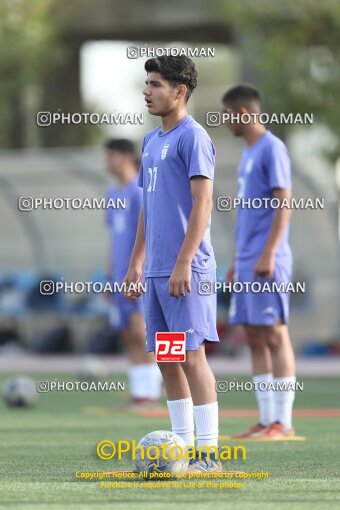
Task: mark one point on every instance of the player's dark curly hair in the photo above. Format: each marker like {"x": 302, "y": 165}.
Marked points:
{"x": 178, "y": 70}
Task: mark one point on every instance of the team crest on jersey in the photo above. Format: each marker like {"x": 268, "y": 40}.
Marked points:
{"x": 165, "y": 151}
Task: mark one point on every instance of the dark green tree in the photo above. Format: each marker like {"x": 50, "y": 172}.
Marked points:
{"x": 294, "y": 50}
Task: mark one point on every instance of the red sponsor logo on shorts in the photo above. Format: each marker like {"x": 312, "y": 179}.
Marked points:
{"x": 170, "y": 346}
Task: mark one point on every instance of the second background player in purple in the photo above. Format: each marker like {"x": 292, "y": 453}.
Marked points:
{"x": 127, "y": 317}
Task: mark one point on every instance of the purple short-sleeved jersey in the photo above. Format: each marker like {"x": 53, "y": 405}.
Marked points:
{"x": 122, "y": 223}
{"x": 264, "y": 167}
{"x": 169, "y": 161}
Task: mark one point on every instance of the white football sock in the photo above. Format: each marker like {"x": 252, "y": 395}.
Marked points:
{"x": 137, "y": 381}
{"x": 206, "y": 420}
{"x": 283, "y": 401}
{"x": 182, "y": 419}
{"x": 265, "y": 398}
{"x": 154, "y": 381}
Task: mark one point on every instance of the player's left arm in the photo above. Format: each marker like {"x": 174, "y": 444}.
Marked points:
{"x": 266, "y": 263}
{"x": 201, "y": 190}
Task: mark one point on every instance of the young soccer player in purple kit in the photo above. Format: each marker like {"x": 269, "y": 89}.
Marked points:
{"x": 173, "y": 237}
{"x": 263, "y": 254}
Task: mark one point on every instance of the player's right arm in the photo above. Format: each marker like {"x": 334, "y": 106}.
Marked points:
{"x": 135, "y": 270}
{"x": 279, "y": 181}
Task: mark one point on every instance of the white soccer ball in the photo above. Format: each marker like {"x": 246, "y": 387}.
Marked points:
{"x": 20, "y": 392}
{"x": 172, "y": 461}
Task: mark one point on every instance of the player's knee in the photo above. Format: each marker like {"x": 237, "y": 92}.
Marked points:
{"x": 274, "y": 338}
{"x": 256, "y": 338}
{"x": 137, "y": 325}
{"x": 190, "y": 365}
{"x": 169, "y": 369}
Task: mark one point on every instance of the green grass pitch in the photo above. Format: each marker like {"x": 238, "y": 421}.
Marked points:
{"x": 41, "y": 449}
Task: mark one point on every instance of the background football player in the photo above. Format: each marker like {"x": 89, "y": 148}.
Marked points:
{"x": 263, "y": 254}
{"x": 128, "y": 316}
